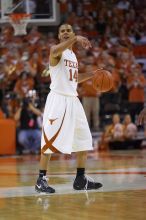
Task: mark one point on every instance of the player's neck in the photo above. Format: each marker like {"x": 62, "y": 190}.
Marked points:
{"x": 70, "y": 48}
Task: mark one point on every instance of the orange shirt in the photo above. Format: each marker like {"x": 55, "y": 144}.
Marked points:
{"x": 116, "y": 79}
{"x": 136, "y": 93}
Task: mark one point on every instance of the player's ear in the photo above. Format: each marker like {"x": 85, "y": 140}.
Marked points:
{"x": 59, "y": 36}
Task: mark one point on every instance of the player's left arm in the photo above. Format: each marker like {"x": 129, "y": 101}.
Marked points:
{"x": 85, "y": 76}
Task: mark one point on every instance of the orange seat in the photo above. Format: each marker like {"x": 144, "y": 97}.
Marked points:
{"x": 7, "y": 136}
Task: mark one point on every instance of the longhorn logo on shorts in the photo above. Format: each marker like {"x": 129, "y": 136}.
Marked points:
{"x": 49, "y": 143}
{"x": 52, "y": 120}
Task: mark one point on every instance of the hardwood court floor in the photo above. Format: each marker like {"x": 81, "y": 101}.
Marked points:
{"x": 122, "y": 197}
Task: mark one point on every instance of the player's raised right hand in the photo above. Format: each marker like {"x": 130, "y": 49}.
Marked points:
{"x": 84, "y": 42}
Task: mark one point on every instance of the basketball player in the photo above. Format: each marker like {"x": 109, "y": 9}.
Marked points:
{"x": 65, "y": 128}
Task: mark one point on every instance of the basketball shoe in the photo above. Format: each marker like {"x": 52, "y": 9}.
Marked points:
{"x": 42, "y": 186}
{"x": 85, "y": 183}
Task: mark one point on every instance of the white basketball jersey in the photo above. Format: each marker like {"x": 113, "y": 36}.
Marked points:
{"x": 64, "y": 75}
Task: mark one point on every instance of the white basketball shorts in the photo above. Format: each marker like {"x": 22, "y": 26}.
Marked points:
{"x": 65, "y": 128}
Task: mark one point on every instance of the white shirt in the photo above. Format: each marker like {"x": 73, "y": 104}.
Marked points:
{"x": 64, "y": 75}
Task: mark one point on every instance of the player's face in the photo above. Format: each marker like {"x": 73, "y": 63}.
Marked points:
{"x": 65, "y": 32}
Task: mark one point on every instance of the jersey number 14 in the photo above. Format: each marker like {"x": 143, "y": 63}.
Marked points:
{"x": 73, "y": 75}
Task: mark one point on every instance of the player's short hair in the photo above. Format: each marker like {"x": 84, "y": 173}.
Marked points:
{"x": 64, "y": 25}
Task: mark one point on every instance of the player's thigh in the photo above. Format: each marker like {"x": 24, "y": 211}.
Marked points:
{"x": 82, "y": 134}
{"x": 54, "y": 108}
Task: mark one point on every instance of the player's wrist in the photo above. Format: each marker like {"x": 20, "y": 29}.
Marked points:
{"x": 78, "y": 38}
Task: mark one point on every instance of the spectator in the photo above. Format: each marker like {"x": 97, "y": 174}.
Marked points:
{"x": 24, "y": 84}
{"x": 135, "y": 84}
{"x": 10, "y": 104}
{"x": 29, "y": 134}
{"x": 130, "y": 129}
{"x": 90, "y": 99}
{"x": 113, "y": 132}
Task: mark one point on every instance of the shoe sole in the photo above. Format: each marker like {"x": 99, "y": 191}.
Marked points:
{"x": 88, "y": 188}
{"x": 43, "y": 192}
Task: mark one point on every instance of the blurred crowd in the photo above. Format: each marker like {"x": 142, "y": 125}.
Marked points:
{"x": 114, "y": 28}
